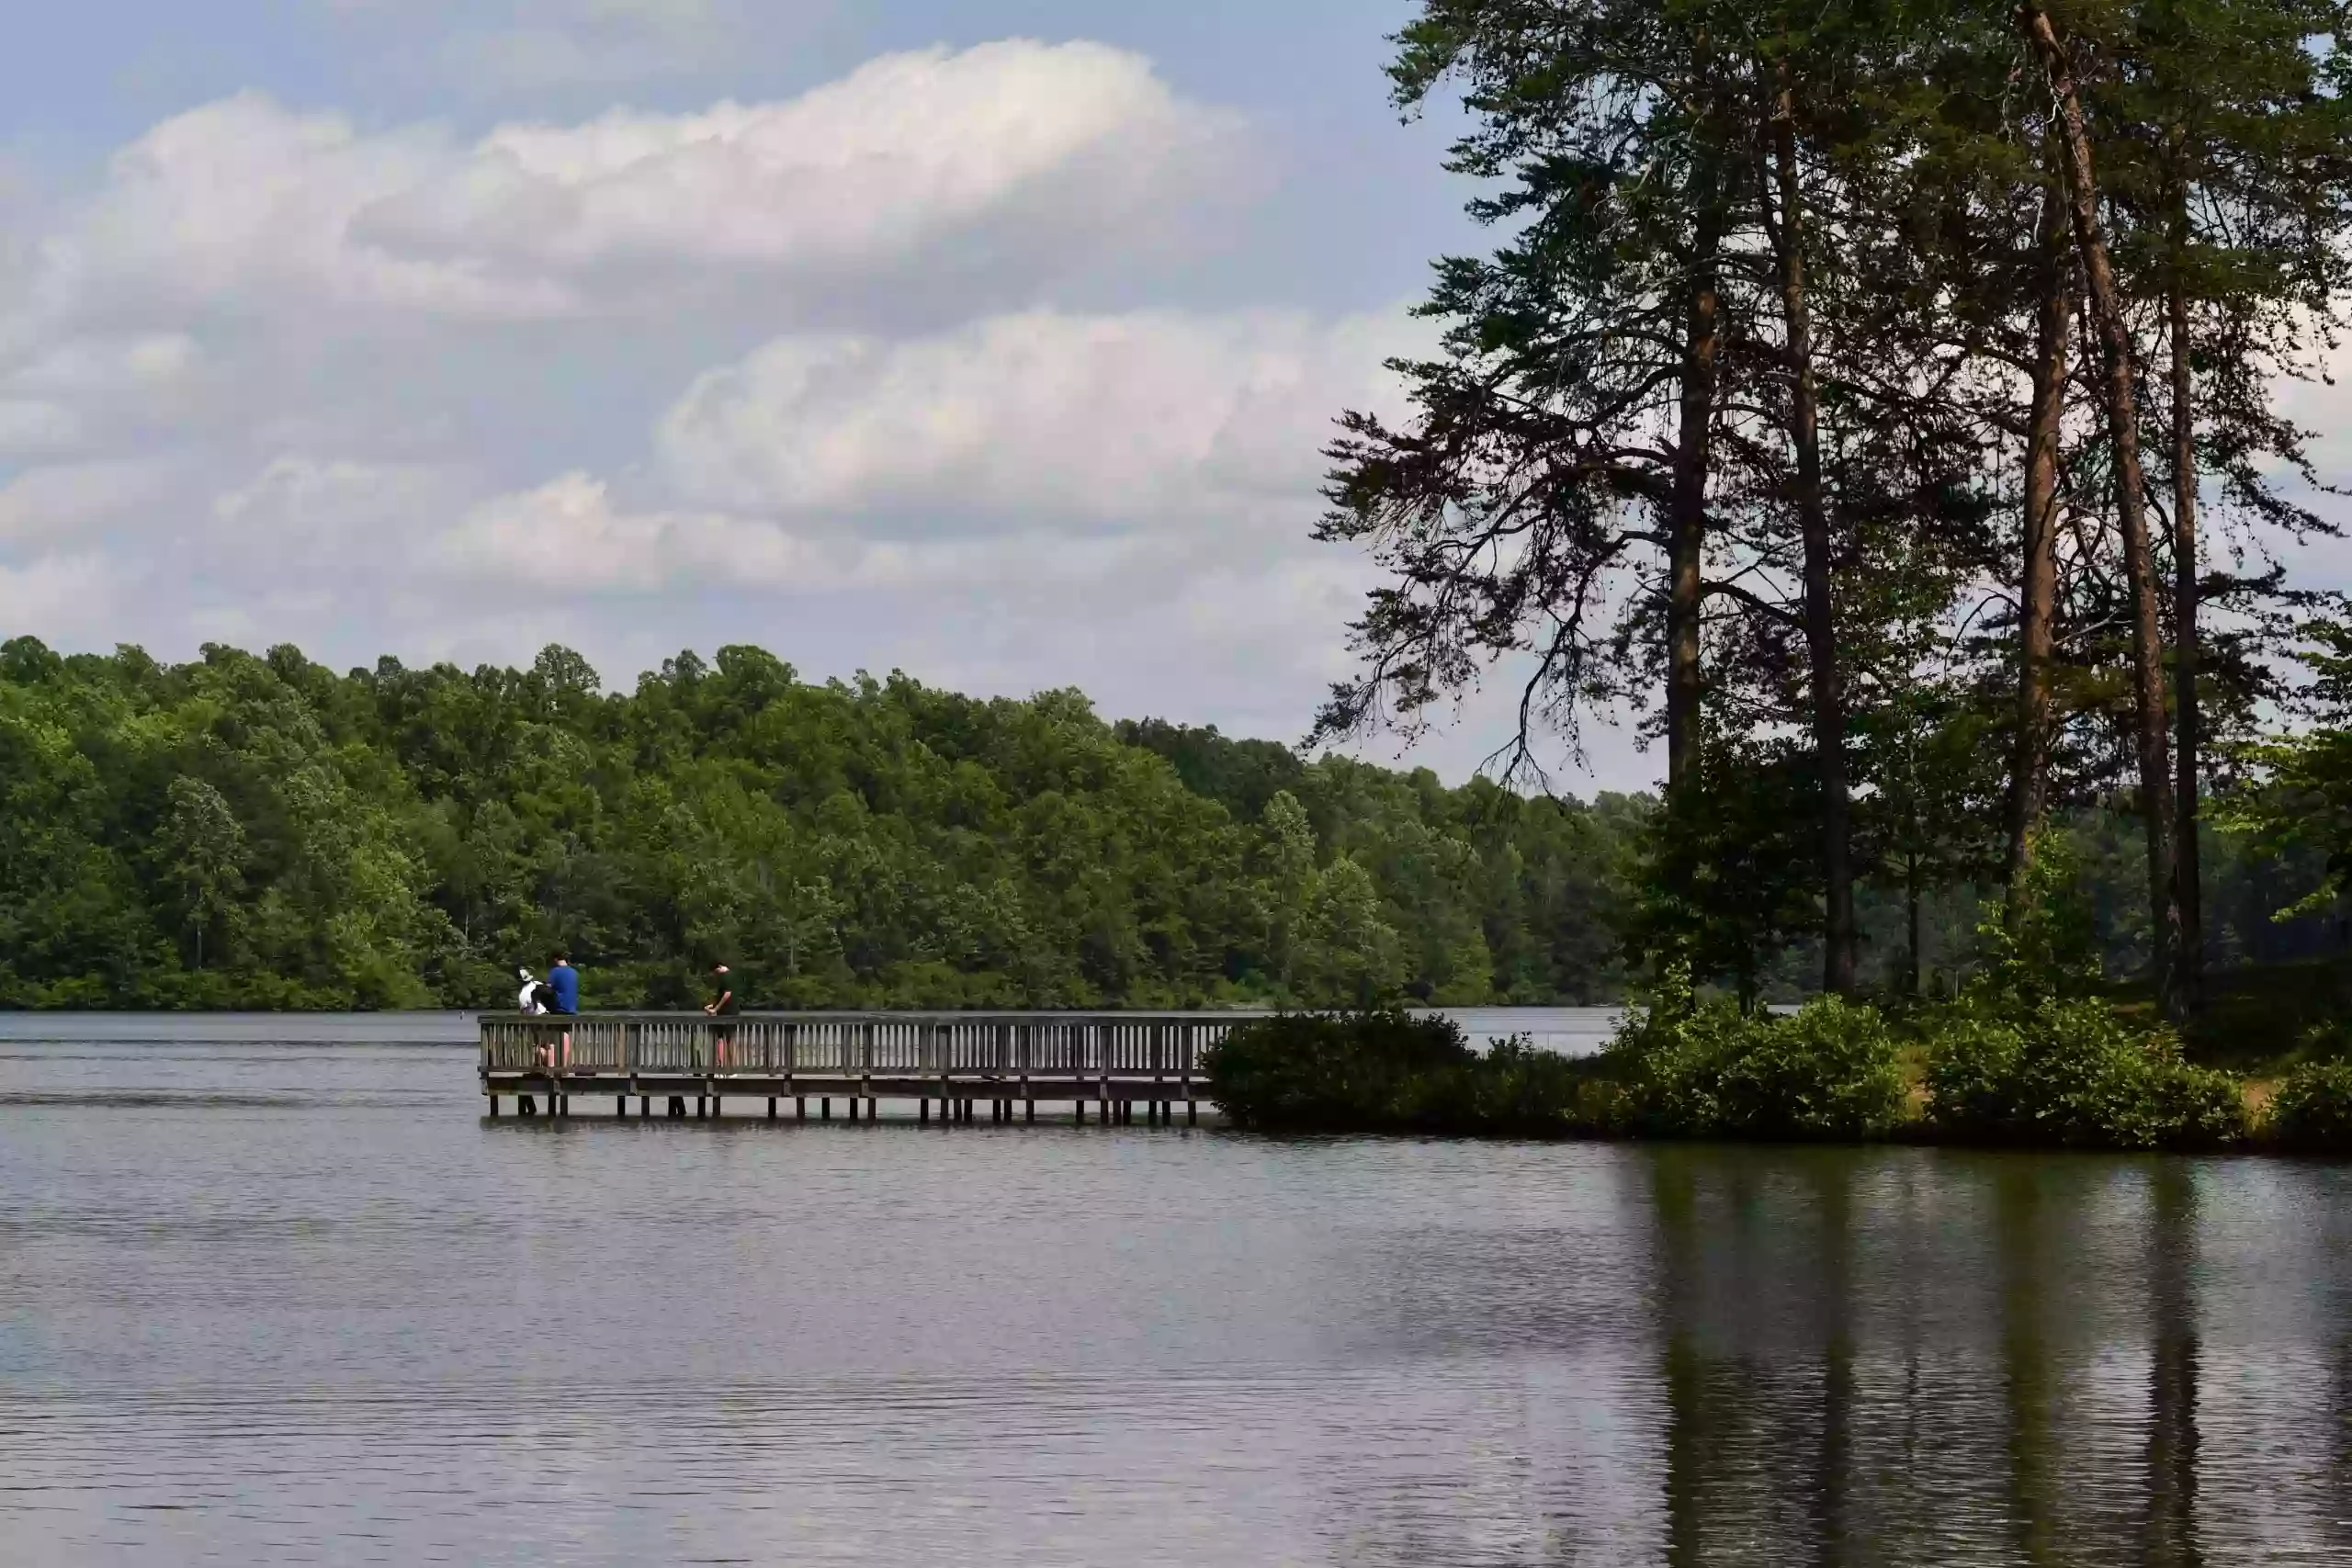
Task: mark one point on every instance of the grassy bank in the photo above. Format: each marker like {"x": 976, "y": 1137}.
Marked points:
{"x": 2046, "y": 1072}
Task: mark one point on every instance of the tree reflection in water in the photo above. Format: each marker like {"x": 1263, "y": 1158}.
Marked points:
{"x": 1917, "y": 1355}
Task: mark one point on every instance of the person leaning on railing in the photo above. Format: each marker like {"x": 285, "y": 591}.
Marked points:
{"x": 722, "y": 1006}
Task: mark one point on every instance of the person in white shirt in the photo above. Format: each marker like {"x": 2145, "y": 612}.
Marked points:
{"x": 530, "y": 1000}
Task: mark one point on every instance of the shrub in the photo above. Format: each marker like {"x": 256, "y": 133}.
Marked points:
{"x": 2073, "y": 1075}
{"x": 1388, "y": 1071}
{"x": 2311, "y": 1113}
{"x": 1518, "y": 1089}
{"x": 1974, "y": 1064}
{"x": 1336, "y": 1071}
{"x": 1831, "y": 1071}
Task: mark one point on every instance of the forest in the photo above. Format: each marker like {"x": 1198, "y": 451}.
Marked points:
{"x": 262, "y": 832}
{"x": 1892, "y": 405}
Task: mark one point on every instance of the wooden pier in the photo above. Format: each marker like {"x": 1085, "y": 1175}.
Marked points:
{"x": 1099, "y": 1066}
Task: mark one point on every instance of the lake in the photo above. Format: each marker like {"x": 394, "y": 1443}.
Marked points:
{"x": 272, "y": 1291}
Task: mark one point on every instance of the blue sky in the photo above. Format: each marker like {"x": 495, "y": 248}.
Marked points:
{"x": 993, "y": 341}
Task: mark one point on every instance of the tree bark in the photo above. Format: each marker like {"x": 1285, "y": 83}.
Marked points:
{"x": 1687, "y": 526}
{"x": 2156, "y": 803}
{"x": 2184, "y": 607}
{"x": 1911, "y": 916}
{"x": 2038, "y": 572}
{"x": 1828, "y": 679}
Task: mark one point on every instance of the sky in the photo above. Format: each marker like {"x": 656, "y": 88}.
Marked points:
{"x": 992, "y": 341}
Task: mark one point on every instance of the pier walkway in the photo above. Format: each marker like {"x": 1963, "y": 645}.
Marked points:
{"x": 949, "y": 1064}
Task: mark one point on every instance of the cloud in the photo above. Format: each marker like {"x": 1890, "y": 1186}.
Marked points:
{"x": 249, "y": 208}
{"x": 567, "y": 536}
{"x": 858, "y": 375}
{"x": 57, "y": 596}
{"x": 57, "y": 500}
{"x": 301, "y": 513}
{"x": 1086, "y": 420}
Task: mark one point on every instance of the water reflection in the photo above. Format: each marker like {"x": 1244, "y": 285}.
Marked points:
{"x": 265, "y": 1302}
{"x": 1913, "y": 1357}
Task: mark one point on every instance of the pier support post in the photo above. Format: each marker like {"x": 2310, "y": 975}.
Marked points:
{"x": 800, "y": 1107}
{"x": 645, "y": 1108}
{"x": 1192, "y": 1113}
{"x": 620, "y": 1106}
{"x": 922, "y": 1111}
{"x": 493, "y": 1108}
{"x": 1029, "y": 1110}
{"x": 1077, "y": 1109}
{"x": 825, "y": 1107}
{"x": 771, "y": 1108}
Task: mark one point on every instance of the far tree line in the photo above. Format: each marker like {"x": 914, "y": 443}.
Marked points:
{"x": 1884, "y": 400}
{"x": 260, "y": 831}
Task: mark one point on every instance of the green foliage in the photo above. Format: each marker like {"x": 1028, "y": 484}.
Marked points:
{"x": 263, "y": 832}
{"x": 2050, "y": 947}
{"x": 1831, "y": 1070}
{"x": 1386, "y": 1071}
{"x": 2305, "y": 797}
{"x": 1726, "y": 872}
{"x": 1306, "y": 1071}
{"x": 2311, "y": 1113}
{"x": 2070, "y": 1073}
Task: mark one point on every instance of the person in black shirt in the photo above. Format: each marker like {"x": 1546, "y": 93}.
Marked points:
{"x": 722, "y": 1006}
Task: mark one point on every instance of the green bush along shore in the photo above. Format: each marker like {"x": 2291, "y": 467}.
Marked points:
{"x": 1990, "y": 1069}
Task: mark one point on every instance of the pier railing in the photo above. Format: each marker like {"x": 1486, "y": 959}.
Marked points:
{"x": 850, "y": 1044}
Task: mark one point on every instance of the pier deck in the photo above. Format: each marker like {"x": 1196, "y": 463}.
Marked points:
{"x": 949, "y": 1064}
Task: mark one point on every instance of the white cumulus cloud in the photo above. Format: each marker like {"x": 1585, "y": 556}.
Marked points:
{"x": 1092, "y": 419}
{"x": 252, "y": 209}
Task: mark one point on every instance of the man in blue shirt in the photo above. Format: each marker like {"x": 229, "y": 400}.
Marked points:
{"x": 564, "y": 981}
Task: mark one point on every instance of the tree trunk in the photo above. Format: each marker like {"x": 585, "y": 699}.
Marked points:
{"x": 2183, "y": 611}
{"x": 1687, "y": 526}
{"x": 1828, "y": 679}
{"x": 2038, "y": 574}
{"x": 2156, "y": 804}
{"x": 1911, "y": 914}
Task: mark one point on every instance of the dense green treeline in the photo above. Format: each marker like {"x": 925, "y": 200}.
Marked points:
{"x": 261, "y": 831}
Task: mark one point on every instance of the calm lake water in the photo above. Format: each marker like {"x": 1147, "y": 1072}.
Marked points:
{"x": 272, "y": 1290}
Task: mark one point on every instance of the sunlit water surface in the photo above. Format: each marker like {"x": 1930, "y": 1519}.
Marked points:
{"x": 272, "y": 1290}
